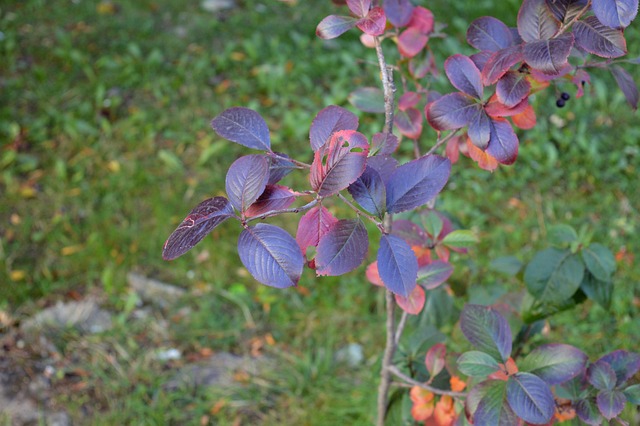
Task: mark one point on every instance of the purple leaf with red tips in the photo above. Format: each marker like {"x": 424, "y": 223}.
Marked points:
{"x": 360, "y": 8}
{"x": 536, "y": 22}
{"x": 414, "y": 303}
{"x": 627, "y": 85}
{"x": 274, "y": 197}
{"x": 503, "y": 145}
{"x": 422, "y": 19}
{"x": 480, "y": 129}
{"x": 333, "y": 26}
{"x": 398, "y": 11}
{"x": 464, "y": 75}
{"x": 414, "y": 183}
{"x": 594, "y": 37}
{"x": 487, "y": 330}
{"x": 611, "y": 403}
{"x": 566, "y": 10}
{"x": 499, "y": 63}
{"x": 489, "y": 34}
{"x": 512, "y": 88}
{"x": 397, "y": 265}
{"x": 328, "y": 121}
{"x": 452, "y": 111}
{"x": 197, "y": 225}
{"x": 374, "y": 23}
{"x": 530, "y": 398}
{"x": 243, "y": 126}
{"x": 343, "y": 248}
{"x": 615, "y": 13}
{"x": 369, "y": 192}
{"x": 549, "y": 56}
{"x": 271, "y": 255}
{"x": 409, "y": 123}
{"x": 383, "y": 143}
{"x": 246, "y": 180}
{"x": 434, "y": 274}
{"x": 339, "y": 163}
{"x": 312, "y": 226}
{"x": 411, "y": 41}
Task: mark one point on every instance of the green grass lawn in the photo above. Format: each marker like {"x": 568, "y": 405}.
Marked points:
{"x": 106, "y": 146}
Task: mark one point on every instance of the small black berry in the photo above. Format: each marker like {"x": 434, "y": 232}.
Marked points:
{"x": 565, "y": 96}
{"x": 560, "y": 103}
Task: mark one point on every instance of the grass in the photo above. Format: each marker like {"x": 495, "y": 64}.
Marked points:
{"x": 104, "y": 111}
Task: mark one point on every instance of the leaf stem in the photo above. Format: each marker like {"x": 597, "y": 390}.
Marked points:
{"x": 442, "y": 141}
{"x": 270, "y": 213}
{"x": 359, "y": 211}
{"x": 396, "y": 372}
{"x": 300, "y": 164}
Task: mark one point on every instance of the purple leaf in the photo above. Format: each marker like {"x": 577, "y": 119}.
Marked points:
{"x": 360, "y": 8}
{"x": 601, "y": 375}
{"x": 409, "y": 231}
{"x": 480, "y": 129}
{"x": 397, "y": 265}
{"x": 339, "y": 163}
{"x": 369, "y": 192}
{"x": 434, "y": 274}
{"x": 503, "y": 145}
{"x": 198, "y": 223}
{"x": 374, "y": 23}
{"x": 246, "y": 179}
{"x": 610, "y": 403}
{"x": 530, "y": 398}
{"x": 536, "y": 22}
{"x": 398, "y": 11}
{"x": 383, "y": 143}
{"x": 481, "y": 58}
{"x": 416, "y": 182}
{"x": 464, "y": 75}
{"x": 279, "y": 167}
{"x": 385, "y": 165}
{"x": 588, "y": 412}
{"x": 271, "y": 255}
{"x": 615, "y": 13}
{"x": 328, "y": 121}
{"x": 487, "y": 330}
{"x": 333, "y": 26}
{"x": 490, "y": 34}
{"x": 625, "y": 364}
{"x": 566, "y": 10}
{"x": 368, "y": 99}
{"x": 499, "y": 63}
{"x": 549, "y": 56}
{"x": 627, "y": 85}
{"x": 409, "y": 123}
{"x": 312, "y": 226}
{"x": 343, "y": 248}
{"x": 411, "y": 41}
{"x": 555, "y": 363}
{"x": 599, "y": 39}
{"x": 512, "y": 88}
{"x": 451, "y": 111}
{"x": 243, "y": 126}
{"x": 493, "y": 409}
{"x": 274, "y": 197}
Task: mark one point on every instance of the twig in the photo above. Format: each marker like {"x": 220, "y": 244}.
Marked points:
{"x": 396, "y": 372}
{"x": 442, "y": 141}
{"x": 388, "y": 88}
{"x": 400, "y": 329}
{"x": 360, "y": 212}
{"x": 387, "y": 360}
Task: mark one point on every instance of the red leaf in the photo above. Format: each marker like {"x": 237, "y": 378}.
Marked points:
{"x": 274, "y": 197}
{"x": 484, "y": 160}
{"x": 411, "y": 41}
{"x": 374, "y": 23}
{"x": 414, "y": 303}
{"x": 499, "y": 63}
{"x": 435, "y": 359}
{"x": 312, "y": 226}
{"x": 373, "y": 275}
{"x": 526, "y": 119}
{"x": 496, "y": 109}
{"x": 422, "y": 19}
{"x": 408, "y": 100}
{"x": 409, "y": 122}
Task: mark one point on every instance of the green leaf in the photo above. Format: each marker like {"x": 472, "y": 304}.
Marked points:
{"x": 554, "y": 275}
{"x": 461, "y": 238}
{"x": 554, "y": 363}
{"x": 508, "y": 265}
{"x": 561, "y": 235}
{"x": 493, "y": 409}
{"x": 368, "y": 99}
{"x": 596, "y": 290}
{"x": 599, "y": 261}
{"x": 477, "y": 364}
{"x": 432, "y": 224}
{"x": 633, "y": 394}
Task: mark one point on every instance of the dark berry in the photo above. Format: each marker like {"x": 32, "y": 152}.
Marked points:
{"x": 565, "y": 96}
{"x": 560, "y": 103}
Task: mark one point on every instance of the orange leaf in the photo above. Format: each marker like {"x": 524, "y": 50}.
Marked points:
{"x": 526, "y": 119}
{"x": 484, "y": 160}
{"x": 373, "y": 275}
{"x": 457, "y": 384}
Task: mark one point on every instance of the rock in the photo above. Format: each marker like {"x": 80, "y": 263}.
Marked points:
{"x": 352, "y": 355}
{"x": 214, "y": 6}
{"x": 154, "y": 291}
{"x": 85, "y": 316}
{"x": 168, "y": 354}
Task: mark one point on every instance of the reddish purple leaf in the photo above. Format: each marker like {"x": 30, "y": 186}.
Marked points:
{"x": 496, "y": 109}
{"x": 274, "y": 197}
{"x": 435, "y": 359}
{"x": 343, "y": 248}
{"x": 627, "y": 85}
{"x": 410, "y": 232}
{"x": 409, "y": 123}
{"x": 481, "y": 58}
{"x": 611, "y": 403}
{"x": 487, "y": 330}
{"x": 464, "y": 75}
{"x": 601, "y": 375}
{"x": 279, "y": 167}
{"x": 246, "y": 179}
{"x": 197, "y": 225}
{"x": 312, "y": 226}
{"x": 422, "y": 19}
{"x": 383, "y": 143}
{"x": 414, "y": 303}
{"x": 369, "y": 192}
{"x": 625, "y": 364}
{"x": 503, "y": 145}
{"x": 422, "y": 64}
{"x": 536, "y": 21}
{"x": 360, "y": 8}
{"x": 512, "y": 88}
{"x": 451, "y": 111}
{"x": 397, "y": 265}
{"x": 588, "y": 412}
{"x": 398, "y": 11}
{"x": 271, "y": 255}
{"x": 243, "y": 126}
{"x": 328, "y": 121}
{"x": 615, "y": 13}
{"x": 566, "y": 10}
{"x": 489, "y": 34}
{"x": 409, "y": 100}
{"x": 499, "y": 63}
{"x": 414, "y": 183}
{"x": 549, "y": 56}
{"x": 480, "y": 129}
{"x": 411, "y": 41}
{"x": 339, "y": 163}
{"x": 374, "y": 23}
{"x": 530, "y": 398}
{"x": 596, "y": 38}
{"x": 333, "y": 26}
{"x": 434, "y": 274}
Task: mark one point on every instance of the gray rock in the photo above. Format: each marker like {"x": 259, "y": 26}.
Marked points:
{"x": 85, "y": 316}
{"x": 214, "y": 6}
{"x": 154, "y": 291}
{"x": 352, "y": 355}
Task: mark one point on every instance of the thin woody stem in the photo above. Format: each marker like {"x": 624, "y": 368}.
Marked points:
{"x": 396, "y": 372}
{"x": 388, "y": 88}
{"x": 270, "y": 213}
{"x": 442, "y": 141}
{"x": 359, "y": 211}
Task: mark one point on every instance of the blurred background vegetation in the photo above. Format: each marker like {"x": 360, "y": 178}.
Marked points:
{"x": 106, "y": 146}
